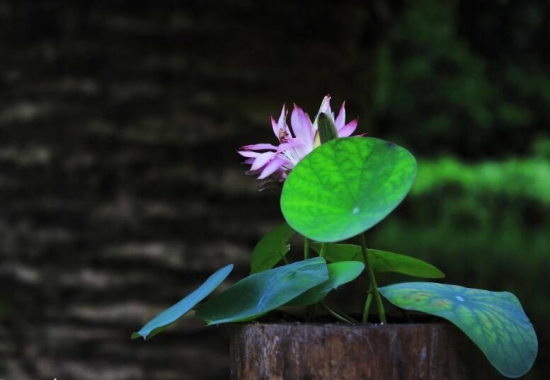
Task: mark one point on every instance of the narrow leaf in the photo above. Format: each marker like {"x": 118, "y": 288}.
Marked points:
{"x": 173, "y": 313}
{"x": 339, "y": 274}
{"x": 262, "y": 292}
{"x": 495, "y": 321}
{"x": 381, "y": 261}
{"x": 271, "y": 248}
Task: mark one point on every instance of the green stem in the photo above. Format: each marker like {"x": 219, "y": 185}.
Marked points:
{"x": 340, "y": 317}
{"x": 283, "y": 257}
{"x": 323, "y": 250}
{"x": 310, "y": 310}
{"x": 368, "y": 302}
{"x": 373, "y": 285}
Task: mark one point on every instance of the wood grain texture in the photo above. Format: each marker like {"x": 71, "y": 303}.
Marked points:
{"x": 370, "y": 352}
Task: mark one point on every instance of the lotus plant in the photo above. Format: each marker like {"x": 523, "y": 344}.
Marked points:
{"x": 295, "y": 143}
{"x": 336, "y": 186}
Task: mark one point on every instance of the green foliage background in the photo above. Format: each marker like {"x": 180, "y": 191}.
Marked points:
{"x": 473, "y": 79}
{"x": 466, "y": 86}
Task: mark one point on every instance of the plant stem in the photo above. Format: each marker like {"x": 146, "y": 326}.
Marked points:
{"x": 373, "y": 285}
{"x": 323, "y": 250}
{"x": 283, "y": 257}
{"x": 310, "y": 310}
{"x": 341, "y": 317}
{"x": 368, "y": 302}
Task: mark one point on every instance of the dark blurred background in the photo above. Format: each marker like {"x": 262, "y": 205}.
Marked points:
{"x": 121, "y": 189}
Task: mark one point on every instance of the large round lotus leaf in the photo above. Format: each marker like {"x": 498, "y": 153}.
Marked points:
{"x": 495, "y": 321}
{"x": 346, "y": 186}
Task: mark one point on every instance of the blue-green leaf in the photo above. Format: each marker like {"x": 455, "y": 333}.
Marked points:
{"x": 339, "y": 273}
{"x": 495, "y": 321}
{"x": 262, "y": 292}
{"x": 173, "y": 313}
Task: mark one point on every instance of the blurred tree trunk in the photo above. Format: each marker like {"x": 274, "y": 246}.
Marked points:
{"x": 120, "y": 186}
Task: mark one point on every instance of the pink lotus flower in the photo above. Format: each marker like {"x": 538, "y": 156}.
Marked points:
{"x": 275, "y": 162}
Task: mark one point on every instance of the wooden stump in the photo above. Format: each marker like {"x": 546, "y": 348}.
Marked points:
{"x": 288, "y": 351}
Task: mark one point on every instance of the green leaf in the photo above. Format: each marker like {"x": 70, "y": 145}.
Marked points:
{"x": 495, "y": 321}
{"x": 338, "y": 252}
{"x": 327, "y": 129}
{"x": 271, "y": 248}
{"x": 380, "y": 261}
{"x": 383, "y": 262}
{"x": 346, "y": 186}
{"x": 262, "y": 292}
{"x": 339, "y": 274}
{"x": 170, "y": 315}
